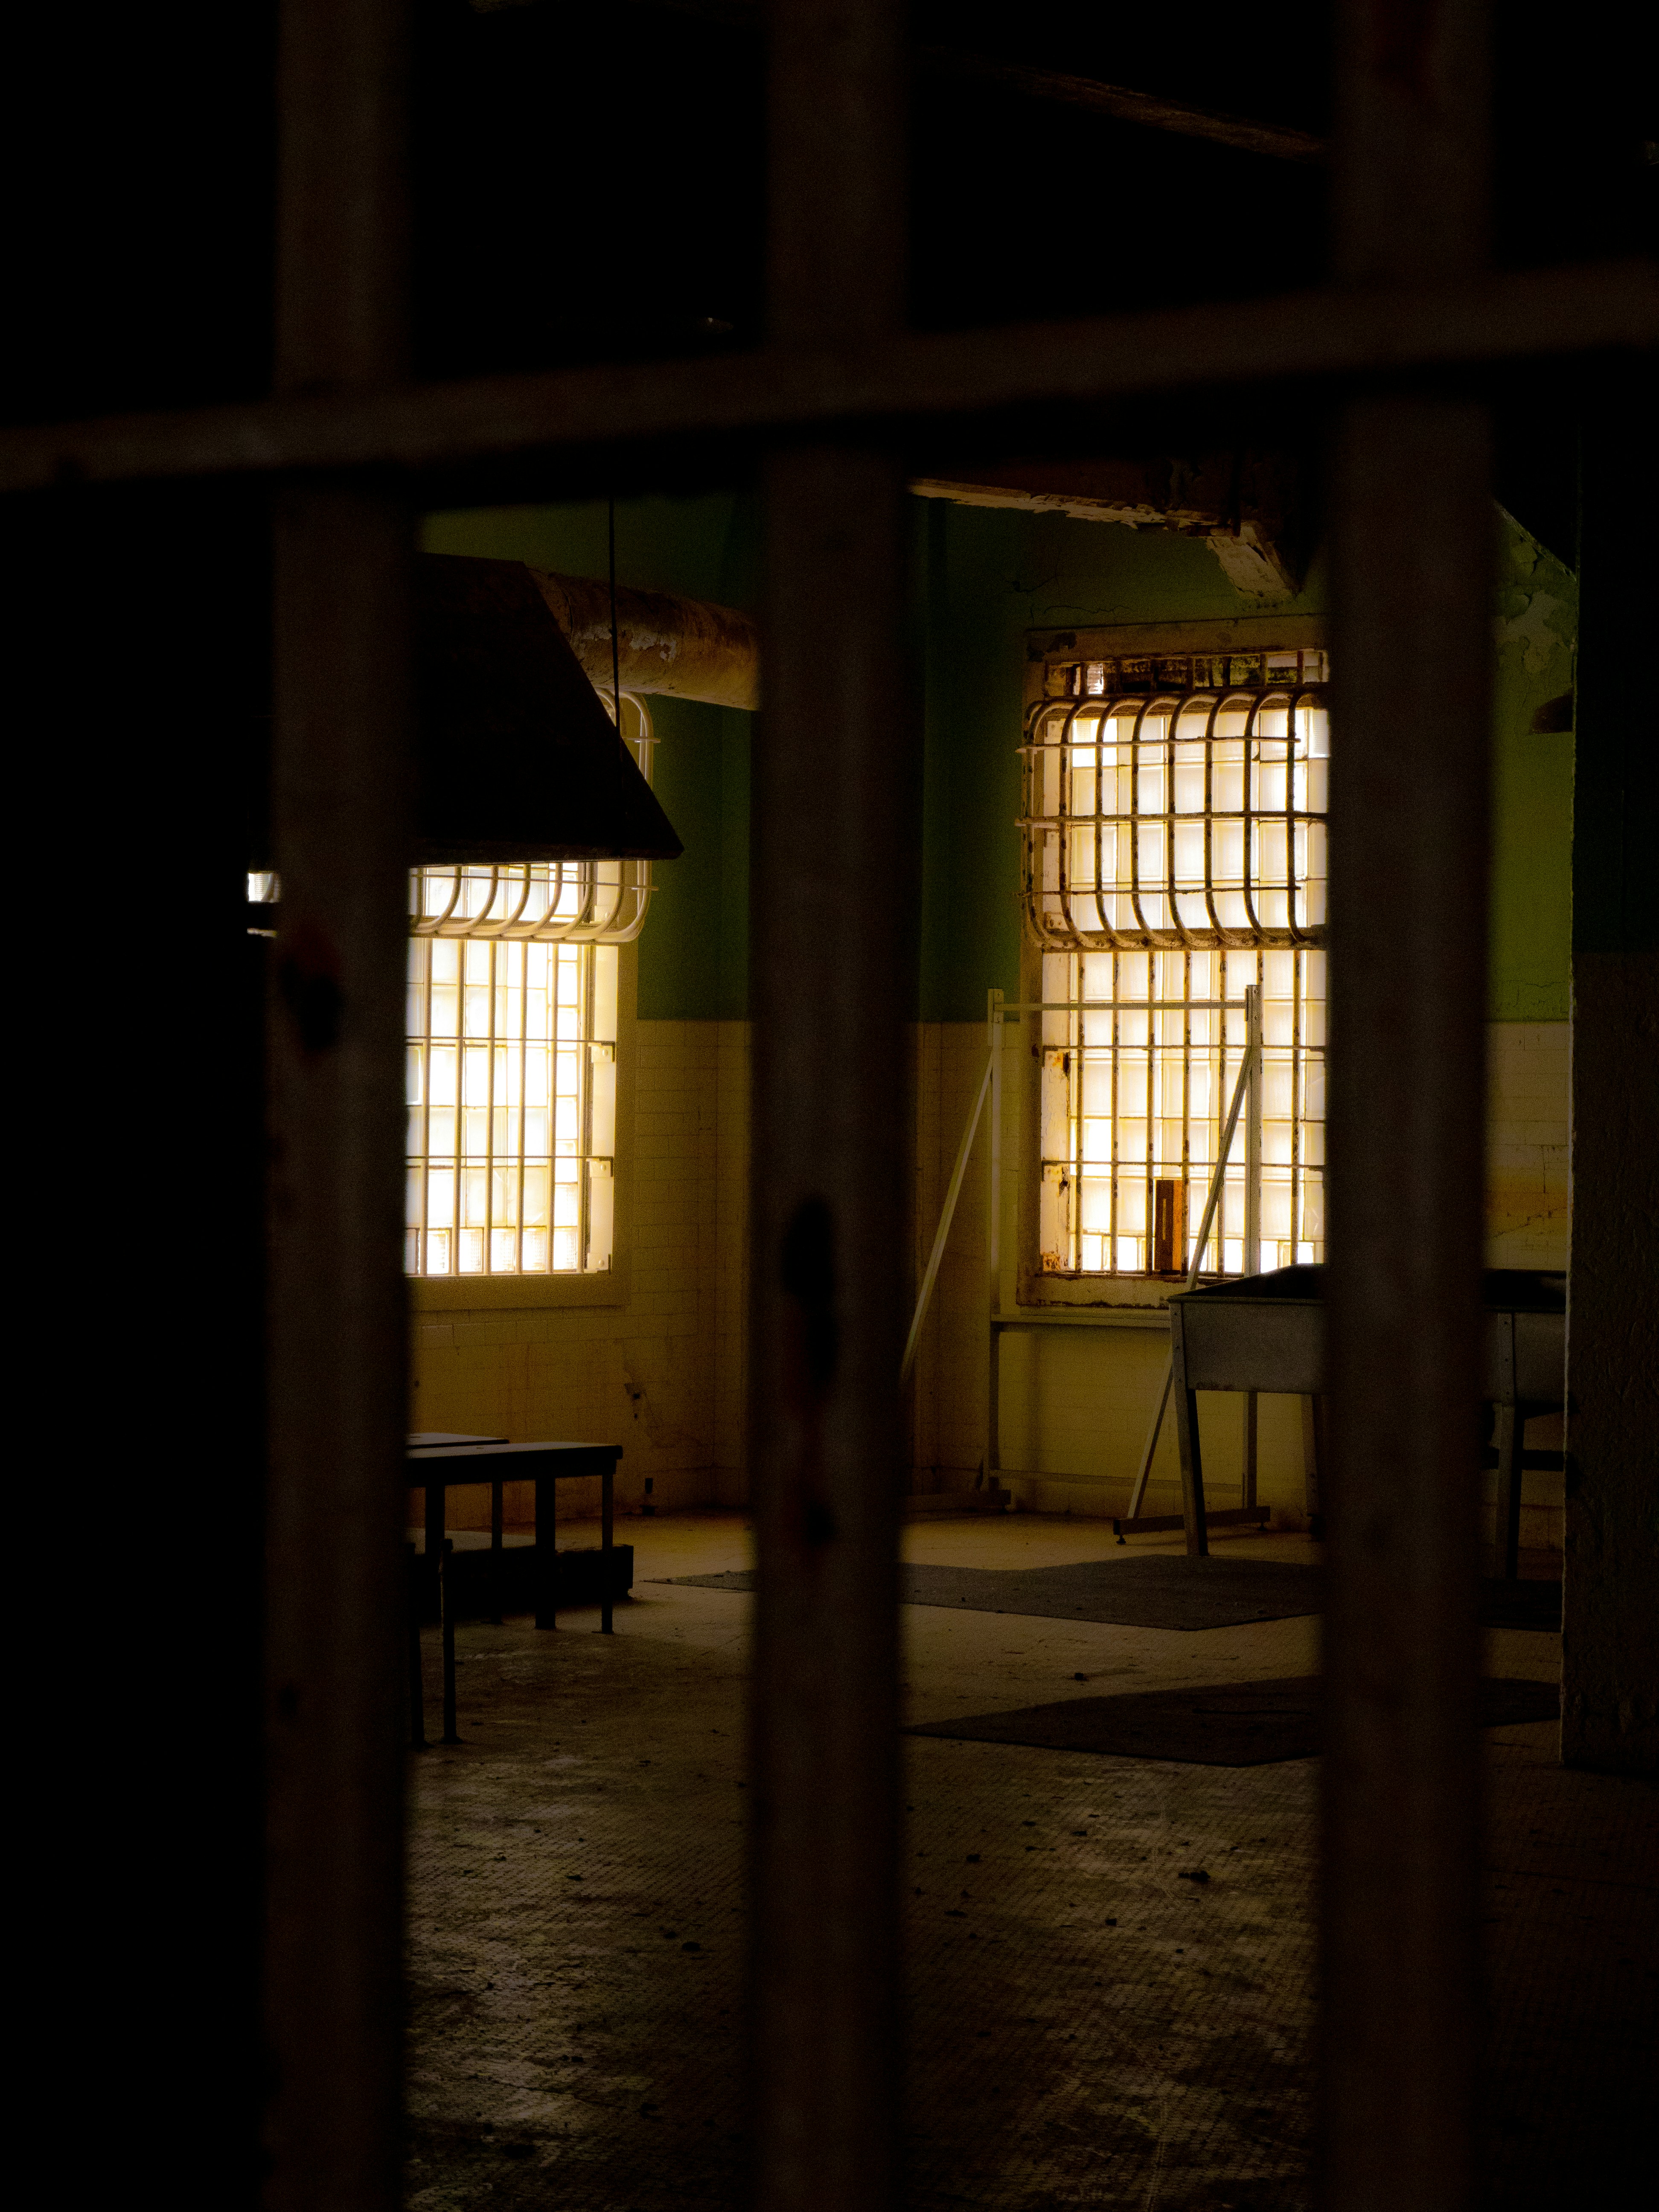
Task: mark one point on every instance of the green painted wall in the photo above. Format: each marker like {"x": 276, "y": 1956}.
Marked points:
{"x": 1535, "y": 627}
{"x": 993, "y": 575}
{"x": 984, "y": 576}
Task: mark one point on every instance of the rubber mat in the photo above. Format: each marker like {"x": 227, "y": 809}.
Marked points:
{"x": 1161, "y": 1590}
{"x": 1225, "y": 1724}
{"x": 1158, "y": 1591}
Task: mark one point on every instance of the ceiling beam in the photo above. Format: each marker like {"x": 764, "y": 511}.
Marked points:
{"x": 1015, "y": 376}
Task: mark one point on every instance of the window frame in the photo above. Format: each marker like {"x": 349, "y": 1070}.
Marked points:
{"x": 1032, "y": 1285}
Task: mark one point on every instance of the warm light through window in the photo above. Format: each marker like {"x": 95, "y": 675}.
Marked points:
{"x": 1175, "y": 855}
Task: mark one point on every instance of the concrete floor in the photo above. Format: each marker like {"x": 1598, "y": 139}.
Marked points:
{"x": 1085, "y": 2027}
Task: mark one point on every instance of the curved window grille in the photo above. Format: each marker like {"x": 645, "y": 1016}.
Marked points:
{"x": 546, "y": 902}
{"x": 512, "y": 1058}
{"x": 1190, "y": 813}
{"x": 1174, "y": 832}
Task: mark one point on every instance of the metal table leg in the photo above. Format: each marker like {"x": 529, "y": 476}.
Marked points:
{"x": 606, "y": 1489}
{"x": 446, "y": 1609}
{"x": 495, "y": 1491}
{"x": 437, "y": 1498}
{"x": 1512, "y": 1428}
{"x": 417, "y": 1683}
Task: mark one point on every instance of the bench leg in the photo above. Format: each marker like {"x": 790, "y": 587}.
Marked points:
{"x": 546, "y": 1556}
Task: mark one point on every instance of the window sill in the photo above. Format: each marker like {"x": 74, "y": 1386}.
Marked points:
{"x": 520, "y": 1293}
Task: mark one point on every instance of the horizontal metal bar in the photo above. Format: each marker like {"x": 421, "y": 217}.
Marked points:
{"x": 879, "y": 385}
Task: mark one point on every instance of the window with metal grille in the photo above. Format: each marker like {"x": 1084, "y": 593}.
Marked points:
{"x": 512, "y": 1059}
{"x": 1174, "y": 829}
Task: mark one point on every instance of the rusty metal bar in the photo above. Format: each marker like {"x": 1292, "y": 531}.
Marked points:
{"x": 833, "y": 858}
{"x": 1413, "y": 543}
{"x": 842, "y": 381}
{"x": 335, "y": 1667}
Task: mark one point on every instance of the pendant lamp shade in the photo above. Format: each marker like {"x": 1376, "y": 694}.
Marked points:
{"x": 516, "y": 758}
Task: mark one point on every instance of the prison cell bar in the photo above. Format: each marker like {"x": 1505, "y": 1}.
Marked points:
{"x": 1411, "y": 651}
{"x": 336, "y": 1688}
{"x": 834, "y": 862}
{"x": 1412, "y": 522}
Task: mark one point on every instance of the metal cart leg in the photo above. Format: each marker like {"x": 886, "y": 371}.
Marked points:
{"x": 1313, "y": 1422}
{"x": 1192, "y": 1473}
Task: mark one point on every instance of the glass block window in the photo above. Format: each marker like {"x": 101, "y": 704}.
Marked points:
{"x": 1140, "y": 1054}
{"x": 512, "y": 1097}
{"x": 512, "y": 1058}
{"x": 1174, "y": 833}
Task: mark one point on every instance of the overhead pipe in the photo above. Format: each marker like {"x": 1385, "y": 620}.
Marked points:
{"x": 666, "y": 645}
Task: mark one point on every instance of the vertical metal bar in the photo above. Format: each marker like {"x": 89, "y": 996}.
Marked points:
{"x": 1412, "y": 546}
{"x": 337, "y": 1397}
{"x": 834, "y": 863}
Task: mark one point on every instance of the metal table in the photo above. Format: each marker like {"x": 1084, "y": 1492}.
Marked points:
{"x": 429, "y": 1439}
{"x": 1267, "y": 1333}
{"x": 437, "y": 1468}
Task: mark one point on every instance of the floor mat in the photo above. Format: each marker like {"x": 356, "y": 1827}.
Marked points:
{"x": 1227, "y": 1724}
{"x": 1160, "y": 1590}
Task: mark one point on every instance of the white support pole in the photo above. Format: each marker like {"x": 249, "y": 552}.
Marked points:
{"x": 994, "y": 1006}
{"x": 1211, "y": 1205}
{"x": 946, "y": 1217}
{"x": 1252, "y": 1209}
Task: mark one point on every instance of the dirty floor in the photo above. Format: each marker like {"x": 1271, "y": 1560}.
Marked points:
{"x": 1089, "y": 2023}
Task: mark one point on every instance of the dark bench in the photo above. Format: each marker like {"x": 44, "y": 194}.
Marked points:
{"x": 437, "y": 1463}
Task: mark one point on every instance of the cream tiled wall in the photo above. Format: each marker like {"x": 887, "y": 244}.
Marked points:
{"x": 1075, "y": 1404}
{"x": 661, "y": 1373}
{"x": 1527, "y": 1070}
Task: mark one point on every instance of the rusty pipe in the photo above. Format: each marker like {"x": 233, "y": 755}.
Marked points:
{"x": 669, "y": 646}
